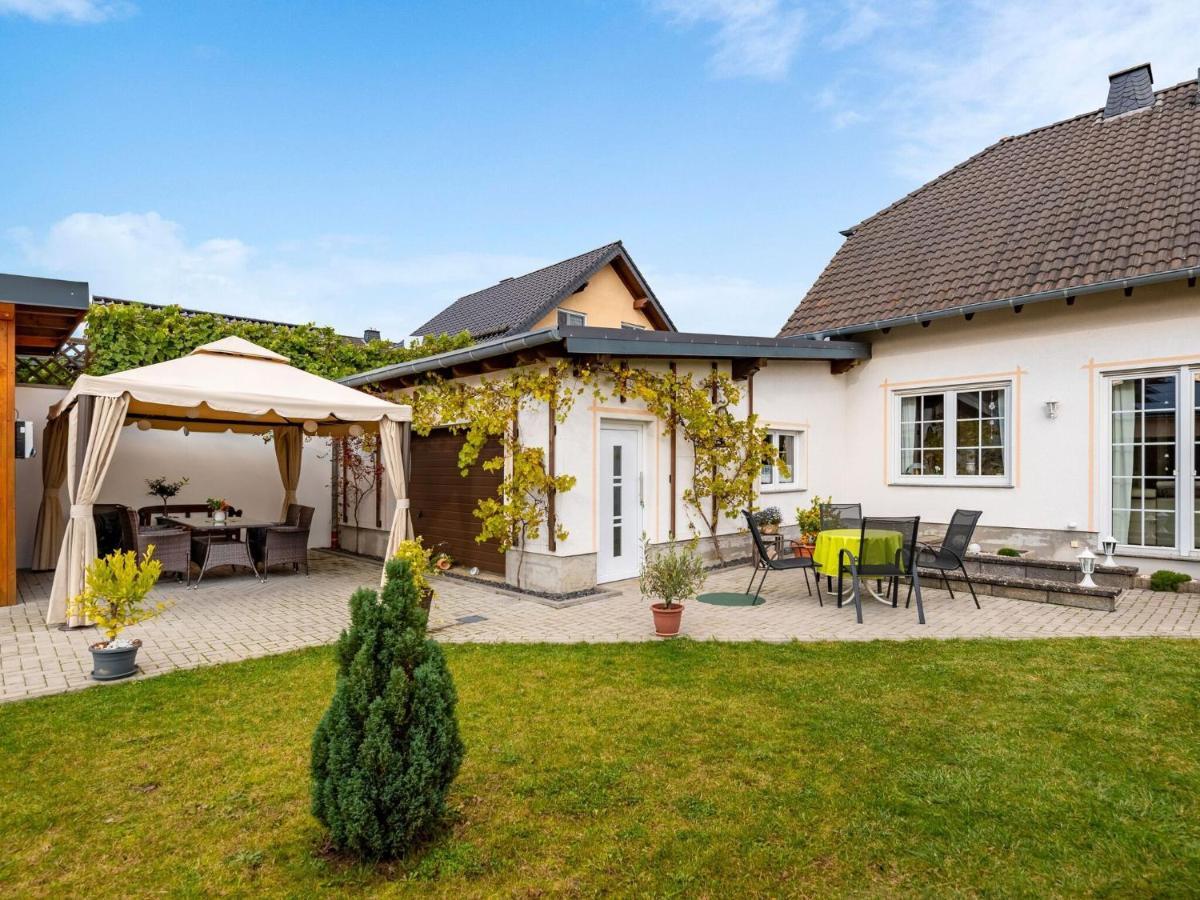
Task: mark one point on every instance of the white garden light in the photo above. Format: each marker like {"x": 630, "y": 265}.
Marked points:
{"x": 1108, "y": 546}
{"x": 1087, "y": 565}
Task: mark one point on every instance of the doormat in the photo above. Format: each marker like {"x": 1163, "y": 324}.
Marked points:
{"x": 729, "y": 599}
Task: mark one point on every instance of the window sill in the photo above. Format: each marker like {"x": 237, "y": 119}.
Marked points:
{"x": 781, "y": 489}
{"x": 949, "y": 482}
{"x": 1156, "y": 553}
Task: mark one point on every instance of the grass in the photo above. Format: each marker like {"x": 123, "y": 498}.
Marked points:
{"x": 961, "y": 768}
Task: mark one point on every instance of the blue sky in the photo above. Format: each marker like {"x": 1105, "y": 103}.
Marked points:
{"x": 363, "y": 164}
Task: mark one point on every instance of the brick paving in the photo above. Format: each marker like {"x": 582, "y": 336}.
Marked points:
{"x": 233, "y": 617}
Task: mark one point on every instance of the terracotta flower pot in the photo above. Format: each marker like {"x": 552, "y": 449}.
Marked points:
{"x": 803, "y": 548}
{"x": 443, "y": 564}
{"x": 769, "y": 529}
{"x": 666, "y": 621}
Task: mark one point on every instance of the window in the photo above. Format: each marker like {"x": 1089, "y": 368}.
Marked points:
{"x": 955, "y": 436}
{"x": 569, "y": 317}
{"x": 790, "y": 446}
{"x": 629, "y": 326}
{"x": 1154, "y": 460}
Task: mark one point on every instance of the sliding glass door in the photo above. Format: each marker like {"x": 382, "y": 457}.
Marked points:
{"x": 1154, "y": 483}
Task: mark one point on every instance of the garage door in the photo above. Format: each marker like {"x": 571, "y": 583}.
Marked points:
{"x": 443, "y": 501}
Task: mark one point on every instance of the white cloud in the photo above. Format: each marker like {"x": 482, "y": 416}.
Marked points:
{"x": 754, "y": 38}
{"x": 350, "y": 283}
{"x": 986, "y": 70}
{"x": 82, "y": 12}
{"x": 723, "y": 304}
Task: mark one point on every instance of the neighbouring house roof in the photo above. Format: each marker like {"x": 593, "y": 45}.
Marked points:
{"x": 515, "y": 305}
{"x": 1092, "y": 203}
{"x": 46, "y": 311}
{"x": 581, "y": 341}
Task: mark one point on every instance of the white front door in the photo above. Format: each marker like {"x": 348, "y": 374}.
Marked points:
{"x": 620, "y": 525}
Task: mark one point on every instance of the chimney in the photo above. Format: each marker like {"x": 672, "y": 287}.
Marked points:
{"x": 371, "y": 334}
{"x": 1129, "y": 89}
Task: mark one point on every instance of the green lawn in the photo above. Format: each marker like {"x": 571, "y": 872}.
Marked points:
{"x": 970, "y": 768}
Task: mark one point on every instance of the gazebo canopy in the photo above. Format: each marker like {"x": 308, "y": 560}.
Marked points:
{"x": 234, "y": 385}
{"x": 228, "y": 385}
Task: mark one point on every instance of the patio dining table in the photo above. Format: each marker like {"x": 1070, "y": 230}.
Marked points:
{"x": 221, "y": 553}
{"x": 881, "y": 549}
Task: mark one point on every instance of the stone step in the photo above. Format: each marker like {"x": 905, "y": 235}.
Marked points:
{"x": 1034, "y": 590}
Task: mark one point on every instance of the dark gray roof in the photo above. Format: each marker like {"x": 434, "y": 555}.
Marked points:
{"x": 51, "y": 292}
{"x": 516, "y": 304}
{"x": 581, "y": 340}
{"x": 1129, "y": 89}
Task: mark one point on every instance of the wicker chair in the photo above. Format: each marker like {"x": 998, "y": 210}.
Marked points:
{"x": 280, "y": 545}
{"x": 172, "y": 546}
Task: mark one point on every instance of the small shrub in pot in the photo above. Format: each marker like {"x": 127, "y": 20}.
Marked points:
{"x": 113, "y": 599}
{"x": 670, "y": 575}
{"x": 768, "y": 519}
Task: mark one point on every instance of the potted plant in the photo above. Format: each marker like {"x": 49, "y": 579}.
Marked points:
{"x": 163, "y": 489}
{"x": 115, "y": 588}
{"x": 218, "y": 508}
{"x": 809, "y": 521}
{"x": 443, "y": 561}
{"x": 669, "y": 576}
{"x": 420, "y": 560}
{"x": 768, "y": 520}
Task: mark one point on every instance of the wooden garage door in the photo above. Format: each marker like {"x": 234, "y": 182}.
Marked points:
{"x": 443, "y": 500}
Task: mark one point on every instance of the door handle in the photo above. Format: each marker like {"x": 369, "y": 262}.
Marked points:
{"x": 641, "y": 490}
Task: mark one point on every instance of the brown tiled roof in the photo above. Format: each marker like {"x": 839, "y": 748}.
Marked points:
{"x": 1081, "y": 202}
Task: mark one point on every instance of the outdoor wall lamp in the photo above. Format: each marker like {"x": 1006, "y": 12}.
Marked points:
{"x": 1108, "y": 546}
{"x": 1087, "y": 565}
{"x": 1051, "y": 409}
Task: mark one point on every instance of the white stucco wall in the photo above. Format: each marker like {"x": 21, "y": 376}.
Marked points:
{"x": 240, "y": 468}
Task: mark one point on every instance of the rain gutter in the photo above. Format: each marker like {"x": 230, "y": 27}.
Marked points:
{"x": 1009, "y": 303}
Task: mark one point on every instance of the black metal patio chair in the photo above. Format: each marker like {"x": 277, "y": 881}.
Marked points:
{"x": 948, "y": 556}
{"x": 867, "y": 564}
{"x": 839, "y": 515}
{"x": 764, "y": 563}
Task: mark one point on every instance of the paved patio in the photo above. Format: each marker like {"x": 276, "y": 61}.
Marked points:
{"x": 234, "y": 617}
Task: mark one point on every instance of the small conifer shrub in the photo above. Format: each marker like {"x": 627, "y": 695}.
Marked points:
{"x": 387, "y": 749}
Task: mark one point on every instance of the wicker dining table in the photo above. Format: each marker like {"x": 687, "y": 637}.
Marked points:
{"x": 228, "y": 552}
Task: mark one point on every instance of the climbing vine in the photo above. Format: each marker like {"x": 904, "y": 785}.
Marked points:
{"x": 727, "y": 450}
{"x": 126, "y": 336}
{"x": 491, "y": 409}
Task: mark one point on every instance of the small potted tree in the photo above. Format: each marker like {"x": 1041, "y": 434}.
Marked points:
{"x": 809, "y": 521}
{"x": 164, "y": 490}
{"x": 669, "y": 576}
{"x": 115, "y": 589}
{"x": 421, "y": 563}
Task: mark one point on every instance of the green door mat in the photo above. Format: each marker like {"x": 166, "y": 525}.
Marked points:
{"x": 729, "y": 599}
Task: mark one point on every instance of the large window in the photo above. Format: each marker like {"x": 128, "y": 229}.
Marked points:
{"x": 788, "y": 477}
{"x": 953, "y": 436}
{"x": 1154, "y": 466}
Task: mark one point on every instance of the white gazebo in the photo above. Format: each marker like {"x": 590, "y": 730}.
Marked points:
{"x": 228, "y": 385}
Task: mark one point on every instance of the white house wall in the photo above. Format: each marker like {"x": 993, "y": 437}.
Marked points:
{"x": 241, "y": 468}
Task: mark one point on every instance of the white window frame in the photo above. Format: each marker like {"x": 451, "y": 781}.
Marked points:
{"x": 950, "y": 437}
{"x": 562, "y": 313}
{"x": 798, "y": 466}
{"x": 633, "y": 326}
{"x": 1186, "y": 375}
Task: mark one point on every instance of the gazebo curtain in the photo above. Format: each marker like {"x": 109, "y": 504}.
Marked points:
{"x": 391, "y": 443}
{"x": 289, "y": 448}
{"x": 94, "y": 426}
{"x": 48, "y": 533}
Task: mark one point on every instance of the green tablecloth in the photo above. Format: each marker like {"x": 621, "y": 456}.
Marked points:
{"x": 881, "y": 548}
